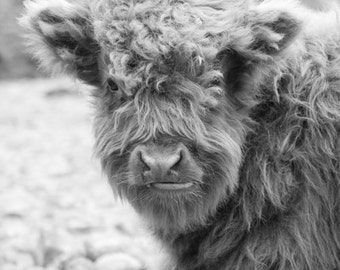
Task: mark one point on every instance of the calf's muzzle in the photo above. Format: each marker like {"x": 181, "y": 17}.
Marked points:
{"x": 164, "y": 167}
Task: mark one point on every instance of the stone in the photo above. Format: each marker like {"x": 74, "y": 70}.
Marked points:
{"x": 79, "y": 263}
{"x": 118, "y": 261}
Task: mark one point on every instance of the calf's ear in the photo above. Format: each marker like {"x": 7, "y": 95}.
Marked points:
{"x": 273, "y": 32}
{"x": 60, "y": 36}
{"x": 245, "y": 68}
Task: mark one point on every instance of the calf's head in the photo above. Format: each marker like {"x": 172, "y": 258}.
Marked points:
{"x": 174, "y": 84}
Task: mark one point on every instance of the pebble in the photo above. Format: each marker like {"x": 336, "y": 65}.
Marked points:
{"x": 16, "y": 260}
{"x": 118, "y": 261}
{"x": 78, "y": 264}
{"x": 101, "y": 244}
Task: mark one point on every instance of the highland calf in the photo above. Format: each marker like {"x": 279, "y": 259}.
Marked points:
{"x": 218, "y": 120}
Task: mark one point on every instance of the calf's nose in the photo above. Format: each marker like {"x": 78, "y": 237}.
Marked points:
{"x": 158, "y": 164}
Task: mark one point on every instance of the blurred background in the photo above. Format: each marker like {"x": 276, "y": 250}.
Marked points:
{"x": 13, "y": 61}
{"x": 57, "y": 211}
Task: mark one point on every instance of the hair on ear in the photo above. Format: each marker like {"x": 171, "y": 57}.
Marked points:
{"x": 236, "y": 69}
{"x": 274, "y": 36}
{"x": 60, "y": 36}
{"x": 273, "y": 31}
{"x": 240, "y": 77}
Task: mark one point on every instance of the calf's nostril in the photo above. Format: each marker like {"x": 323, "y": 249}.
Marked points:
{"x": 146, "y": 166}
{"x": 177, "y": 161}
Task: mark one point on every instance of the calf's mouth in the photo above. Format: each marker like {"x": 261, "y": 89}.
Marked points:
{"x": 170, "y": 186}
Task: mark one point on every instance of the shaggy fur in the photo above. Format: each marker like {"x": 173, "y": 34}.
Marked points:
{"x": 251, "y": 88}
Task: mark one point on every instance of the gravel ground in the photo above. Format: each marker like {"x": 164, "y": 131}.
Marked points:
{"x": 56, "y": 209}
